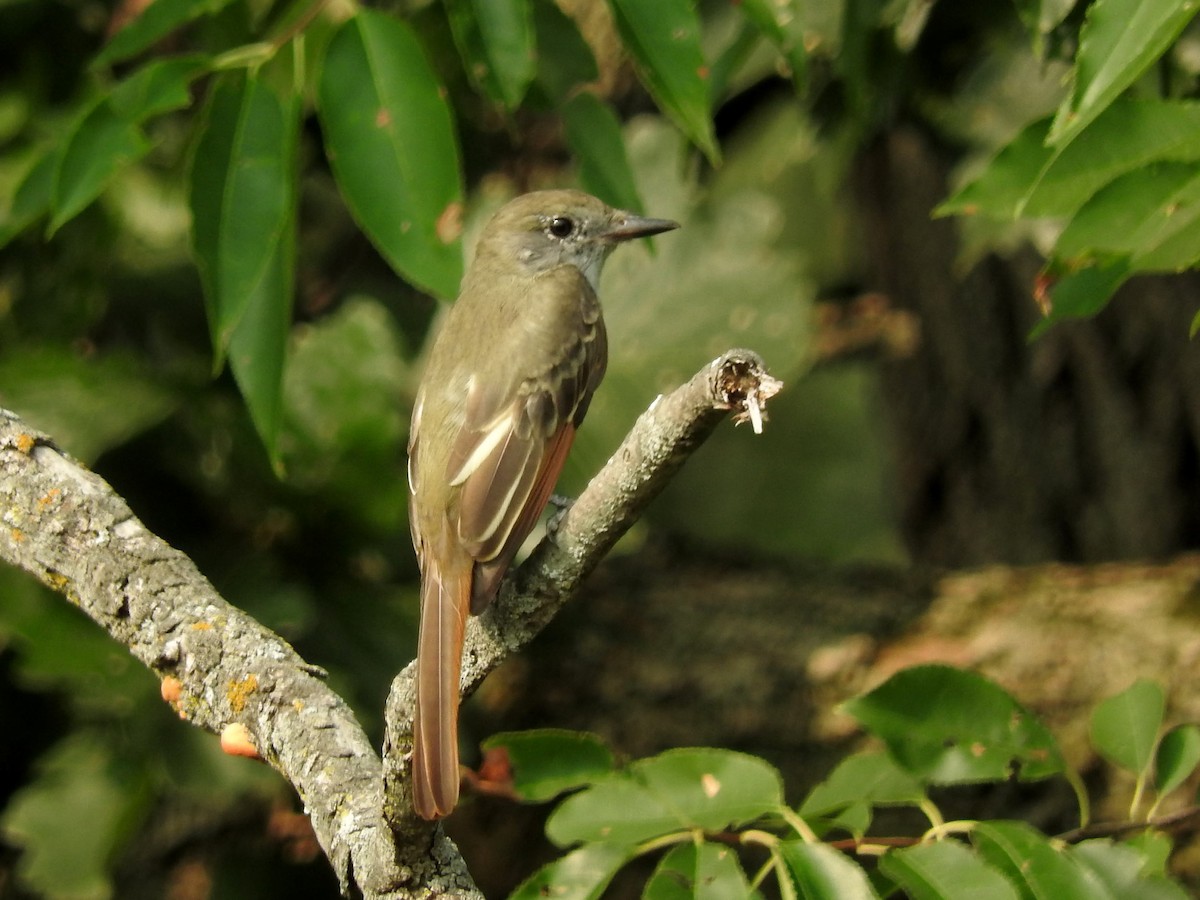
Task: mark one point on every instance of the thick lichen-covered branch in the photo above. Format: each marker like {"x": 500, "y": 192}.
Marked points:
{"x": 221, "y": 669}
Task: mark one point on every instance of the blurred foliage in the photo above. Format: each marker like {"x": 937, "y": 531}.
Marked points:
{"x": 277, "y": 193}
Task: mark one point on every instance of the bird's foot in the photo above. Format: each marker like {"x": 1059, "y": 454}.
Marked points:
{"x": 558, "y": 504}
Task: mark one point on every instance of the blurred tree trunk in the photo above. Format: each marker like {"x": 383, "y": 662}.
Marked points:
{"x": 1081, "y": 445}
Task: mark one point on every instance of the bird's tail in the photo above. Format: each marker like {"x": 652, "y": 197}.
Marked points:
{"x": 445, "y": 601}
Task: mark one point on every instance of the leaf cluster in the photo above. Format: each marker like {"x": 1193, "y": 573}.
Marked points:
{"x": 720, "y": 826}
{"x": 1114, "y": 169}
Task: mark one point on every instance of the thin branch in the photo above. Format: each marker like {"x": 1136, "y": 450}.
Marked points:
{"x": 1184, "y": 819}
{"x": 657, "y": 446}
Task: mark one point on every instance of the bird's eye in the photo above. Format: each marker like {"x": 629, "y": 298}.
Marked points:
{"x": 561, "y": 226}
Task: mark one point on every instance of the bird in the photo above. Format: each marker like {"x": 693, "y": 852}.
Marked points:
{"x": 507, "y": 382}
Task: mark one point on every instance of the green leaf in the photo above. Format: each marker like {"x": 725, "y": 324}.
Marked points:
{"x": 595, "y": 138}
{"x": 1115, "y": 220}
{"x": 1124, "y": 728}
{"x": 703, "y": 871}
{"x": 495, "y": 40}
{"x": 999, "y": 191}
{"x": 1176, "y": 758}
{"x": 1119, "y": 40}
{"x": 582, "y": 874}
{"x": 33, "y": 196}
{"x": 702, "y": 788}
{"x": 243, "y": 201}
{"x": 872, "y": 778}
{"x": 1084, "y": 292}
{"x": 664, "y": 39}
{"x": 157, "y": 87}
{"x": 948, "y": 726}
{"x": 1029, "y": 859}
{"x": 1119, "y": 867}
{"x": 99, "y": 145}
{"x": 547, "y": 762}
{"x": 945, "y": 870}
{"x": 1129, "y": 135}
{"x": 564, "y": 59}
{"x": 70, "y": 820}
{"x": 1155, "y": 850}
{"x": 821, "y": 873}
{"x": 392, "y": 146}
{"x": 108, "y": 136}
{"x": 155, "y": 21}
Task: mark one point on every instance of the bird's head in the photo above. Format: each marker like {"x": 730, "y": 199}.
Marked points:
{"x": 545, "y": 229}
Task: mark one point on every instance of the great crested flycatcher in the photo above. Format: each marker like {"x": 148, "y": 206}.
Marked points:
{"x": 507, "y": 382}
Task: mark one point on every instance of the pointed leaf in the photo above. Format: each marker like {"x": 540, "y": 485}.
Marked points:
{"x": 948, "y": 726}
{"x": 242, "y": 197}
{"x": 1028, "y": 859}
{"x": 100, "y": 145}
{"x": 495, "y": 41}
{"x": 1119, "y": 40}
{"x": 392, "y": 146}
{"x": 243, "y": 200}
{"x": 1177, "y": 756}
{"x": 664, "y": 39}
{"x": 1127, "y": 136}
{"x": 564, "y": 59}
{"x": 872, "y": 778}
{"x": 1115, "y": 219}
{"x": 1125, "y": 727}
{"x": 582, "y": 874}
{"x": 547, "y": 762}
{"x": 821, "y": 873}
{"x": 155, "y": 21}
{"x": 682, "y": 789}
{"x": 999, "y": 191}
{"x": 108, "y": 137}
{"x": 33, "y": 196}
{"x": 1084, "y": 292}
{"x": 703, "y": 871}
{"x": 595, "y": 137}
{"x": 945, "y": 870}
{"x": 1121, "y": 869}
{"x": 157, "y": 87}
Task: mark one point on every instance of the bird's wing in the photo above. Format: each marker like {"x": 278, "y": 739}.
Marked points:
{"x": 515, "y": 437}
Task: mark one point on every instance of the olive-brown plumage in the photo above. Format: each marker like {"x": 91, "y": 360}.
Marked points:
{"x": 508, "y": 381}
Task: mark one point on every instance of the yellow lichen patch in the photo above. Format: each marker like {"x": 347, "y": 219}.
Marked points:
{"x": 298, "y": 705}
{"x": 16, "y": 534}
{"x": 58, "y": 582}
{"x": 238, "y": 692}
{"x": 25, "y": 443}
{"x": 50, "y": 497}
{"x": 200, "y": 626}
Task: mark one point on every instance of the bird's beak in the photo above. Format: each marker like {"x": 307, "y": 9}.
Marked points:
{"x": 628, "y": 226}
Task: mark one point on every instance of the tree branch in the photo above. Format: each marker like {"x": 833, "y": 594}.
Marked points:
{"x": 221, "y": 668}
{"x": 656, "y": 447}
